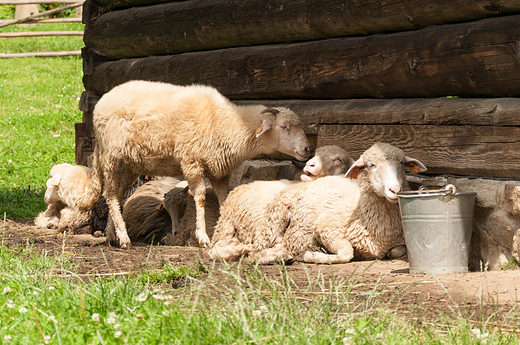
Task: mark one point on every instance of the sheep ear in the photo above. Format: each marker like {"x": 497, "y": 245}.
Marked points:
{"x": 413, "y": 165}
{"x": 266, "y": 125}
{"x": 355, "y": 169}
{"x": 54, "y": 181}
{"x": 160, "y": 207}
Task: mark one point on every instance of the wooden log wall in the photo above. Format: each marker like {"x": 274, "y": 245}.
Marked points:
{"x": 357, "y": 72}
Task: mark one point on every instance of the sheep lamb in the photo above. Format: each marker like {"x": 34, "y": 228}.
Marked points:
{"x": 161, "y": 129}
{"x": 243, "y": 214}
{"x": 66, "y": 187}
{"x": 335, "y": 219}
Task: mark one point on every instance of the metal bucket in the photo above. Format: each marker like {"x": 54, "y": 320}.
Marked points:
{"x": 437, "y": 229}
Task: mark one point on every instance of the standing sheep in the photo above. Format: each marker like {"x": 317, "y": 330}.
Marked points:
{"x": 344, "y": 218}
{"x": 167, "y": 130}
{"x": 66, "y": 187}
{"x": 244, "y": 212}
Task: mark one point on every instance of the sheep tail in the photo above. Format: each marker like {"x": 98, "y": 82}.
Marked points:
{"x": 93, "y": 192}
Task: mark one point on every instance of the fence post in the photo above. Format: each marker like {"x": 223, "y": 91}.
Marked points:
{"x": 22, "y": 11}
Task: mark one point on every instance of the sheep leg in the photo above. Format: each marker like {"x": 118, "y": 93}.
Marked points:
{"x": 342, "y": 252}
{"x": 397, "y": 252}
{"x": 274, "y": 255}
{"x": 229, "y": 250}
{"x": 114, "y": 193}
{"x": 194, "y": 174}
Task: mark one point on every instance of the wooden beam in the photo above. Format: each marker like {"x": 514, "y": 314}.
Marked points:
{"x": 413, "y": 111}
{"x": 462, "y": 150}
{"x": 147, "y": 31}
{"x": 40, "y": 33}
{"x": 41, "y": 54}
{"x": 448, "y": 60}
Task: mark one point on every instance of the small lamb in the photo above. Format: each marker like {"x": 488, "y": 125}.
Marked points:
{"x": 335, "y": 219}
{"x": 66, "y": 187}
{"x": 244, "y": 211}
{"x": 162, "y": 129}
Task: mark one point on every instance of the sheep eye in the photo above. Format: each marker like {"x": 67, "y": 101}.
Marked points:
{"x": 370, "y": 164}
{"x": 339, "y": 160}
{"x": 283, "y": 126}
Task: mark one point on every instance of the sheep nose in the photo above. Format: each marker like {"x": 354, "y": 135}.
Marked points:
{"x": 307, "y": 150}
{"x": 395, "y": 190}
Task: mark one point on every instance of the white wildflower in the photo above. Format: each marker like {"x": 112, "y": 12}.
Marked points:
{"x": 7, "y": 338}
{"x": 23, "y": 310}
{"x": 308, "y": 331}
{"x": 95, "y": 317}
{"x": 7, "y": 289}
{"x": 142, "y": 297}
{"x": 257, "y": 313}
{"x": 52, "y": 287}
{"x": 158, "y": 296}
{"x": 47, "y": 339}
{"x": 479, "y": 335}
{"x": 52, "y": 318}
{"x": 116, "y": 326}
{"x": 112, "y": 315}
{"x": 347, "y": 341}
{"x": 111, "y": 320}
{"x": 10, "y": 304}
{"x": 35, "y": 293}
{"x": 117, "y": 334}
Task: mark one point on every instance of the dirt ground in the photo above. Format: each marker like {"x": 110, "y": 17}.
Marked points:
{"x": 492, "y": 292}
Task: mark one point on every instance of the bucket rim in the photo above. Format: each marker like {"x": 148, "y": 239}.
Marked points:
{"x": 423, "y": 194}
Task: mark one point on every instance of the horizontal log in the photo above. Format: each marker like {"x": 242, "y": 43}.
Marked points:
{"x": 41, "y": 54}
{"x": 119, "y": 4}
{"x": 413, "y": 111}
{"x": 449, "y": 60}
{"x": 147, "y": 31}
{"x": 43, "y": 14}
{"x": 463, "y": 150}
{"x": 40, "y": 33}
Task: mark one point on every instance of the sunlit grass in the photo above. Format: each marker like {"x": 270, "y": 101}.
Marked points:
{"x": 38, "y": 108}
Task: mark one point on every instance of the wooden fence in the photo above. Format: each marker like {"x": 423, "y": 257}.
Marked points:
{"x": 36, "y": 18}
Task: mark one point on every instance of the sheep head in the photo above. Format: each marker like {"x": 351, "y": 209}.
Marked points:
{"x": 51, "y": 194}
{"x": 282, "y": 131}
{"x": 382, "y": 170}
{"x": 328, "y": 160}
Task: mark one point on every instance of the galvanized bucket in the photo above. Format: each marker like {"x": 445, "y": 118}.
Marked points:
{"x": 437, "y": 229}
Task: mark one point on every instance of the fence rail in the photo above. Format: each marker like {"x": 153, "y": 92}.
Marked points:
{"x": 35, "y": 19}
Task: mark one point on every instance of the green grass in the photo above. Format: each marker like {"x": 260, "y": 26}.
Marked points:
{"x": 232, "y": 305}
{"x": 38, "y": 108}
{"x": 42, "y": 44}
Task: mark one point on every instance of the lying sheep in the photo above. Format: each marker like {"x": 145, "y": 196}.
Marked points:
{"x": 66, "y": 187}
{"x": 335, "y": 219}
{"x": 244, "y": 212}
{"x": 328, "y": 160}
{"x": 145, "y": 222}
{"x": 181, "y": 209}
{"x": 167, "y": 130}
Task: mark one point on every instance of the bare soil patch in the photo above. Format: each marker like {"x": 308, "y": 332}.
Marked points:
{"x": 475, "y": 294}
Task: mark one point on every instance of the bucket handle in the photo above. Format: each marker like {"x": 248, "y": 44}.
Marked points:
{"x": 448, "y": 189}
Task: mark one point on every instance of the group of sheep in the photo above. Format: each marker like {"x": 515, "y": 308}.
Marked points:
{"x": 193, "y": 131}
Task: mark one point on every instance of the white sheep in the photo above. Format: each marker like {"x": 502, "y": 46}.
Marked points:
{"x": 66, "y": 187}
{"x": 167, "y": 130}
{"x": 336, "y": 219}
{"x": 244, "y": 211}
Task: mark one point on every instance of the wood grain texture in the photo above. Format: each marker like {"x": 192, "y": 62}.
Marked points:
{"x": 463, "y": 150}
{"x": 478, "y": 59}
{"x": 176, "y": 27}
